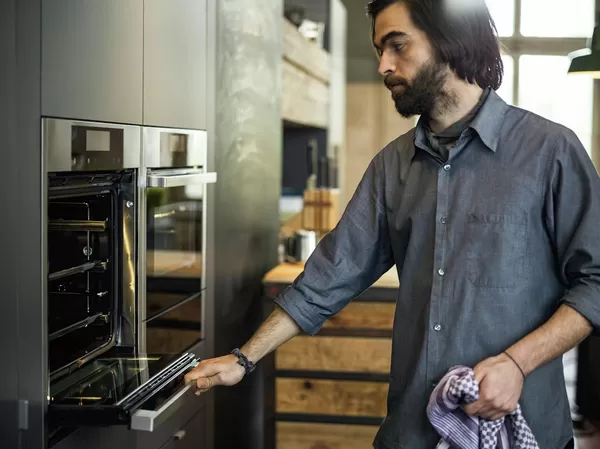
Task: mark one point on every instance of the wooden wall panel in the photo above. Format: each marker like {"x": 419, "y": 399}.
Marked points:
{"x": 343, "y": 354}
{"x": 371, "y": 123}
{"x": 331, "y": 397}
{"x": 324, "y": 436}
{"x": 364, "y": 315}
{"x": 304, "y": 54}
{"x": 305, "y": 99}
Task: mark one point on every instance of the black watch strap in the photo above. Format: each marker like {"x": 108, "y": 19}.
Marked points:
{"x": 243, "y": 361}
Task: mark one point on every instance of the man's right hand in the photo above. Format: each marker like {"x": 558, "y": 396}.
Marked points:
{"x": 218, "y": 371}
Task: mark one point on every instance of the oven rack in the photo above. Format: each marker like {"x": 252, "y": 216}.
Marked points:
{"x": 99, "y": 265}
{"x": 78, "y": 225}
{"x": 77, "y": 325}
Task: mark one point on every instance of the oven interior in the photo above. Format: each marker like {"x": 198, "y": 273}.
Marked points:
{"x": 83, "y": 266}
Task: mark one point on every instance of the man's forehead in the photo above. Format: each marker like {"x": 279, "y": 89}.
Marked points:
{"x": 395, "y": 19}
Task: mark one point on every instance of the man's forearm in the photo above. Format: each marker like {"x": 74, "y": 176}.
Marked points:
{"x": 563, "y": 331}
{"x": 278, "y": 328}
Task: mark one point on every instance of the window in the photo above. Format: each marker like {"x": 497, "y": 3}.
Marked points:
{"x": 506, "y": 90}
{"x": 557, "y": 18}
{"x": 536, "y": 61}
{"x": 503, "y": 13}
{"x": 546, "y": 89}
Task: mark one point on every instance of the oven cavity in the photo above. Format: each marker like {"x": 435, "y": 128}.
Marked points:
{"x": 82, "y": 267}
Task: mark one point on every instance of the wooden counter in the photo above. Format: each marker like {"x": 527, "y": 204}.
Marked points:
{"x": 329, "y": 391}
{"x": 285, "y": 273}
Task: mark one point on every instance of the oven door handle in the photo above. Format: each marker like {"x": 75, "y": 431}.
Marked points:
{"x": 149, "y": 420}
{"x": 181, "y": 179}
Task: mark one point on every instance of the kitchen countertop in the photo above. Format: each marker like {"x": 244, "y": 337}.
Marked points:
{"x": 286, "y": 273}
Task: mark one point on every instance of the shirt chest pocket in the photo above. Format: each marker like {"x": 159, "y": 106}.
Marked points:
{"x": 496, "y": 249}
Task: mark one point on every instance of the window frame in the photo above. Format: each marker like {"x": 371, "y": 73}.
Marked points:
{"x": 518, "y": 45}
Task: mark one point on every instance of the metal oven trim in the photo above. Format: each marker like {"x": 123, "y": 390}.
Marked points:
{"x": 151, "y": 147}
{"x": 56, "y": 143}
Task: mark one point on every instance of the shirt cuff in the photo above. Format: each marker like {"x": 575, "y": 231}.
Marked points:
{"x": 300, "y": 310}
{"x": 586, "y": 302}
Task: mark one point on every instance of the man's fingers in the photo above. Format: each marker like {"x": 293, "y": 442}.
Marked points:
{"x": 206, "y": 383}
{"x": 474, "y": 408}
{"x": 479, "y": 373}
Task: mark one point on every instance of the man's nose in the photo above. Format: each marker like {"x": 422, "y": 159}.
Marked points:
{"x": 386, "y": 65}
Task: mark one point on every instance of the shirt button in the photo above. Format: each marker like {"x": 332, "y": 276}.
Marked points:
{"x": 437, "y": 327}
{"x": 441, "y": 272}
{"x": 447, "y": 167}
{"x": 443, "y": 220}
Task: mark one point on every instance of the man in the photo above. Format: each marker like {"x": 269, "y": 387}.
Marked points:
{"x": 490, "y": 214}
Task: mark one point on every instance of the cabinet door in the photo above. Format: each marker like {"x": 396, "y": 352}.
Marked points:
{"x": 92, "y": 59}
{"x": 175, "y": 65}
{"x": 192, "y": 436}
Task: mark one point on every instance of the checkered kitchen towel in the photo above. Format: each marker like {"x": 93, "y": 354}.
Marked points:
{"x": 461, "y": 431}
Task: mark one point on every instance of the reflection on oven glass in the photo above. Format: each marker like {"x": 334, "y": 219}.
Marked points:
{"x": 177, "y": 330}
{"x": 174, "y": 268}
{"x": 105, "y": 381}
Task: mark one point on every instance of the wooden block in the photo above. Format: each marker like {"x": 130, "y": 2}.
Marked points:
{"x": 364, "y": 315}
{"x": 305, "y": 99}
{"x": 331, "y": 397}
{"x": 323, "y": 436}
{"x": 307, "y": 56}
{"x": 343, "y": 354}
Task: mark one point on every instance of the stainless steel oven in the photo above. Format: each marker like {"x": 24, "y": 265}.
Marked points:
{"x": 125, "y": 238}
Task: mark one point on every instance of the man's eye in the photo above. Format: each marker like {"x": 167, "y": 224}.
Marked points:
{"x": 397, "y": 47}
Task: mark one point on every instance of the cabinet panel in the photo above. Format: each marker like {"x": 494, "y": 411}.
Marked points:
{"x": 291, "y": 435}
{"x": 331, "y": 397}
{"x": 92, "y": 58}
{"x": 190, "y": 436}
{"x": 175, "y": 63}
{"x": 344, "y": 354}
{"x": 364, "y": 315}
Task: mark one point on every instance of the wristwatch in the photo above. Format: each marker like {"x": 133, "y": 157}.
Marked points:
{"x": 243, "y": 361}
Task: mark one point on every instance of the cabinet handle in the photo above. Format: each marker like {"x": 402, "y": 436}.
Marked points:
{"x": 179, "y": 435}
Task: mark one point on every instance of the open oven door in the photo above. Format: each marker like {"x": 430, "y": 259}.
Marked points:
{"x": 138, "y": 392}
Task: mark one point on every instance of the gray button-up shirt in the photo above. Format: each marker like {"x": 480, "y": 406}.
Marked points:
{"x": 487, "y": 245}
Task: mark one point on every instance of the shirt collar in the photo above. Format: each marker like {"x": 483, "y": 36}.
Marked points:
{"x": 486, "y": 123}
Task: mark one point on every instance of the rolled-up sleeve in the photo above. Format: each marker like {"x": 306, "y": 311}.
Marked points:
{"x": 347, "y": 260}
{"x": 573, "y": 215}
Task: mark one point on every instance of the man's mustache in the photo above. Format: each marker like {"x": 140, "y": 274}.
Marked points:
{"x": 391, "y": 81}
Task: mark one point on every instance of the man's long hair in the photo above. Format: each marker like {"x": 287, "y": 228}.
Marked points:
{"x": 463, "y": 36}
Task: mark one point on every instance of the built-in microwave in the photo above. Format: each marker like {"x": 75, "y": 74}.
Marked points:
{"x": 126, "y": 215}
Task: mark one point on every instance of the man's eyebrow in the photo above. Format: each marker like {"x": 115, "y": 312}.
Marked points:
{"x": 389, "y": 36}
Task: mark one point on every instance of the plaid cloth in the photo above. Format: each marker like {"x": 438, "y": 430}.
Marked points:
{"x": 461, "y": 431}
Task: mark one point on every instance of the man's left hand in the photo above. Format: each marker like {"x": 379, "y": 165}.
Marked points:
{"x": 500, "y": 385}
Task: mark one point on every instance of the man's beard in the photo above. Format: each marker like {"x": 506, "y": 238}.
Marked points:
{"x": 424, "y": 93}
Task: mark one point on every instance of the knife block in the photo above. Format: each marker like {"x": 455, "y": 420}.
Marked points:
{"x": 321, "y": 210}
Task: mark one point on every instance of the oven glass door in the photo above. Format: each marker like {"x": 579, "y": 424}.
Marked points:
{"x": 137, "y": 391}
{"x": 174, "y": 263}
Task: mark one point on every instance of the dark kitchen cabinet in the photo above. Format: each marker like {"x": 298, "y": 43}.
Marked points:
{"x": 175, "y": 63}
{"x": 92, "y": 59}
{"x": 135, "y": 61}
{"x": 190, "y": 436}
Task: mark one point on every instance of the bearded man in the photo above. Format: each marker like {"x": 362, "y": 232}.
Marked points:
{"x": 490, "y": 214}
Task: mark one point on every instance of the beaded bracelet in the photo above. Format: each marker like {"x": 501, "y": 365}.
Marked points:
{"x": 243, "y": 361}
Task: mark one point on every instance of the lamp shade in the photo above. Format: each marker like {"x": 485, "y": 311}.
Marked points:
{"x": 587, "y": 61}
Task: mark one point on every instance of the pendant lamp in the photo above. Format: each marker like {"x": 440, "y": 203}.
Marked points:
{"x": 587, "y": 61}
